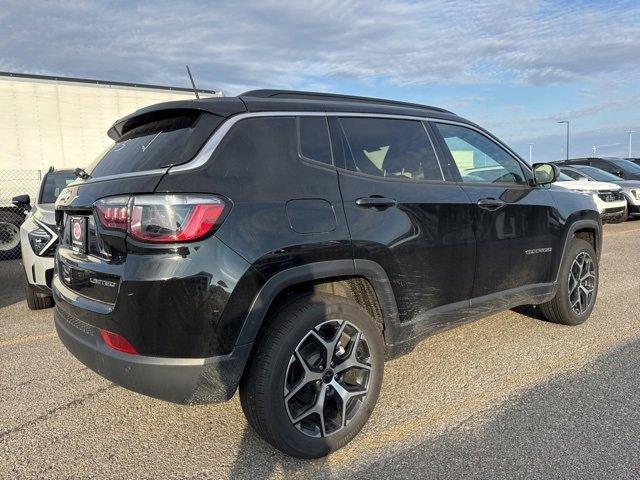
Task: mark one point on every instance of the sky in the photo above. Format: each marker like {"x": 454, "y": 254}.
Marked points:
{"x": 516, "y": 67}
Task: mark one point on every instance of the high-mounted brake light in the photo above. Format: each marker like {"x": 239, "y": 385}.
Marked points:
{"x": 161, "y": 218}
{"x": 117, "y": 342}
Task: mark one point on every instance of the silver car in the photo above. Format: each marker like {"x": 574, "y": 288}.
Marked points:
{"x": 38, "y": 237}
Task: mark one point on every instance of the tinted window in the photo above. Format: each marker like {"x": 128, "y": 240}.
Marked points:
{"x": 478, "y": 158}
{"x": 390, "y": 148}
{"x": 597, "y": 174}
{"x": 314, "y": 139}
{"x": 573, "y": 174}
{"x": 627, "y": 166}
{"x": 606, "y": 166}
{"x": 53, "y": 184}
{"x": 157, "y": 144}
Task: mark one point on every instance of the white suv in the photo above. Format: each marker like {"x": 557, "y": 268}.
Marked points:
{"x": 608, "y": 197}
{"x": 38, "y": 237}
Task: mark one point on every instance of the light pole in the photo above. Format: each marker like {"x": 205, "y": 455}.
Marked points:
{"x": 630, "y": 132}
{"x": 567, "y": 122}
{"x": 531, "y": 154}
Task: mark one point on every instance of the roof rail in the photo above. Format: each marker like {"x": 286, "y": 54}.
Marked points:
{"x": 332, "y": 97}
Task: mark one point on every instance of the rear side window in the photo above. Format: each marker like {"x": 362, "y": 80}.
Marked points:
{"x": 314, "y": 139}
{"x": 156, "y": 144}
{"x": 390, "y": 148}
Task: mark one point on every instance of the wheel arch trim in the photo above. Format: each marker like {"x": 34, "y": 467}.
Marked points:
{"x": 368, "y": 269}
{"x": 573, "y": 228}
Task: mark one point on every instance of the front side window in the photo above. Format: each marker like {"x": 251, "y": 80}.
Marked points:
{"x": 478, "y": 158}
{"x": 389, "y": 148}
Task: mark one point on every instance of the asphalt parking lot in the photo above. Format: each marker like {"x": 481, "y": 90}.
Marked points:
{"x": 509, "y": 396}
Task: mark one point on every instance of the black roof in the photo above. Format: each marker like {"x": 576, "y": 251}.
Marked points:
{"x": 278, "y": 100}
{"x": 333, "y": 97}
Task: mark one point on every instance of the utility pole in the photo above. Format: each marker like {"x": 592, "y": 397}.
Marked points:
{"x": 630, "y": 132}
{"x": 531, "y": 154}
{"x": 567, "y": 123}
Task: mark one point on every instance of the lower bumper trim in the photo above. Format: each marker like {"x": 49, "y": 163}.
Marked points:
{"x": 179, "y": 380}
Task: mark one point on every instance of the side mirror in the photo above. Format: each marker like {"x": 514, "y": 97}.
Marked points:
{"x": 22, "y": 201}
{"x": 545, "y": 173}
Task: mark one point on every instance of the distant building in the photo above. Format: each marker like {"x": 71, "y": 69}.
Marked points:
{"x": 62, "y": 121}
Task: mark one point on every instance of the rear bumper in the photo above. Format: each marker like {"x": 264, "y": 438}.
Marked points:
{"x": 179, "y": 380}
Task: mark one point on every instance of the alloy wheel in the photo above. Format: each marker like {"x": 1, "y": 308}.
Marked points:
{"x": 582, "y": 283}
{"x": 327, "y": 378}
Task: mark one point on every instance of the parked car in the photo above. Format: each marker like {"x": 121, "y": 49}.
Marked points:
{"x": 38, "y": 237}
{"x": 288, "y": 242}
{"x": 620, "y": 167}
{"x": 630, "y": 188}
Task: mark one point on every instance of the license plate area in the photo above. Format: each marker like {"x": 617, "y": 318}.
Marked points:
{"x": 78, "y": 233}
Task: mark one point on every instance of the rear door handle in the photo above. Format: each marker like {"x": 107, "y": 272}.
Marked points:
{"x": 490, "y": 204}
{"x": 376, "y": 202}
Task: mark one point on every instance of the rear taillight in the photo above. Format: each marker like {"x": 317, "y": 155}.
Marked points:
{"x": 117, "y": 342}
{"x": 161, "y": 218}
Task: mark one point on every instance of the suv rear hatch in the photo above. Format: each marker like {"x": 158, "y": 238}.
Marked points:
{"x": 91, "y": 258}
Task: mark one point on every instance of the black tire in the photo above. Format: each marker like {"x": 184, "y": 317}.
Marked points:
{"x": 560, "y": 309}
{"x": 36, "y": 300}
{"x": 263, "y": 387}
{"x": 10, "y": 235}
{"x": 622, "y": 218}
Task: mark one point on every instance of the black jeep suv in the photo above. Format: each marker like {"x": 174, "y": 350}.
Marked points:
{"x": 286, "y": 243}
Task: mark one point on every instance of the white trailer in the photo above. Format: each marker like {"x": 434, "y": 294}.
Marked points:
{"x": 62, "y": 122}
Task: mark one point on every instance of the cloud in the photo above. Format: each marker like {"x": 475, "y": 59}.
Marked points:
{"x": 261, "y": 44}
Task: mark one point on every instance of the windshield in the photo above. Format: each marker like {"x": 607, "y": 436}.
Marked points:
{"x": 627, "y": 165}
{"x": 53, "y": 184}
{"x": 597, "y": 174}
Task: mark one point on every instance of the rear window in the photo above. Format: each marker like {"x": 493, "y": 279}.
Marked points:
{"x": 314, "y": 139}
{"x": 53, "y": 184}
{"x": 627, "y": 165}
{"x": 157, "y": 144}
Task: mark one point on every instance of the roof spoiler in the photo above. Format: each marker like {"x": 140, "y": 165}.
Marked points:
{"x": 221, "y": 106}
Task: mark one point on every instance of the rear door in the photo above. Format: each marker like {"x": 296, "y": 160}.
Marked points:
{"x": 516, "y": 225}
{"x": 403, "y": 215}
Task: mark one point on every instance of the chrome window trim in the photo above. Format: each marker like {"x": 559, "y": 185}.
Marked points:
{"x": 210, "y": 146}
